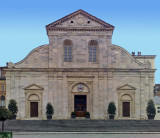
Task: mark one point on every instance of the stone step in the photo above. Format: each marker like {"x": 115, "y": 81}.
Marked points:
{"x": 83, "y": 125}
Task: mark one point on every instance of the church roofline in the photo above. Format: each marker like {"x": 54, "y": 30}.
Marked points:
{"x": 51, "y": 26}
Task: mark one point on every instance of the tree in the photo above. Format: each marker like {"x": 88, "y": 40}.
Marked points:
{"x": 111, "y": 109}
{"x": 49, "y": 110}
{"x": 13, "y": 107}
{"x": 151, "y": 110}
{"x": 4, "y": 115}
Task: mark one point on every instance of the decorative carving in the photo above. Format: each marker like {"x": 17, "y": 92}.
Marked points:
{"x": 148, "y": 64}
{"x": 10, "y": 65}
{"x": 80, "y": 20}
{"x": 80, "y": 87}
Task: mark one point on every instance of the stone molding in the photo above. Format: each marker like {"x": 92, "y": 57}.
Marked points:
{"x": 33, "y": 87}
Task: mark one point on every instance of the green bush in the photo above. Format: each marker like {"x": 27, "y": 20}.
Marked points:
{"x": 4, "y": 115}
{"x": 73, "y": 113}
{"x": 13, "y": 107}
{"x": 87, "y": 113}
{"x": 49, "y": 109}
{"x": 150, "y": 110}
{"x": 111, "y": 108}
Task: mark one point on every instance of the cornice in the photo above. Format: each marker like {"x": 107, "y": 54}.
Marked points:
{"x": 78, "y": 70}
{"x": 79, "y": 29}
{"x": 145, "y": 56}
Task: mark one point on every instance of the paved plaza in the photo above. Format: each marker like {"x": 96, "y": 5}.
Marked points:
{"x": 84, "y": 135}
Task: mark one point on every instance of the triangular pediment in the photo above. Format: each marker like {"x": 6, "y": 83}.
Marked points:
{"x": 33, "y": 87}
{"x": 126, "y": 87}
{"x": 80, "y": 19}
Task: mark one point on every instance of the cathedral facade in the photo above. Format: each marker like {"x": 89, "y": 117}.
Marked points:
{"x": 81, "y": 70}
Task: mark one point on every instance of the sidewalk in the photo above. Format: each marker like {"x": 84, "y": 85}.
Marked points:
{"x": 85, "y": 135}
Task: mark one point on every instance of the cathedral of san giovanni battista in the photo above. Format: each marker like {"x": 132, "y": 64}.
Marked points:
{"x": 81, "y": 70}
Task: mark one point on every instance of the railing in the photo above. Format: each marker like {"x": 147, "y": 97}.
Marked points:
{"x": 5, "y": 134}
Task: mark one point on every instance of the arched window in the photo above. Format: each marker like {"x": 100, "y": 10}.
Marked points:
{"x": 67, "y": 51}
{"x": 2, "y": 88}
{"x": 92, "y": 51}
{"x": 2, "y": 101}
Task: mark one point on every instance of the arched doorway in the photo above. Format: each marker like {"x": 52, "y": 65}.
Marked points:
{"x": 33, "y": 99}
{"x": 126, "y": 101}
{"x": 80, "y": 99}
{"x": 80, "y": 105}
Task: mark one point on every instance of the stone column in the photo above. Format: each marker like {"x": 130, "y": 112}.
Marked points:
{"x": 55, "y": 95}
{"x": 60, "y": 52}
{"x": 65, "y": 98}
{"x": 151, "y": 85}
{"x": 96, "y": 98}
{"x": 142, "y": 96}
{"x": 18, "y": 97}
{"x": 50, "y": 91}
{"x": 8, "y": 87}
{"x": 101, "y": 95}
{"x": 59, "y": 95}
{"x": 53, "y": 53}
{"x": 105, "y": 96}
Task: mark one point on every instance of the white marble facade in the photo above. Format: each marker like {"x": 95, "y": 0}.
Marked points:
{"x": 44, "y": 75}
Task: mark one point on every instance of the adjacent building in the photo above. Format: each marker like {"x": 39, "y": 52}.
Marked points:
{"x": 2, "y": 87}
{"x": 157, "y": 106}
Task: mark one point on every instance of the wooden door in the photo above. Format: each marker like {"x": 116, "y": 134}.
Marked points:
{"x": 34, "y": 109}
{"x": 80, "y": 105}
{"x": 126, "y": 109}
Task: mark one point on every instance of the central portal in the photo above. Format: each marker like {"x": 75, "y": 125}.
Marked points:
{"x": 80, "y": 105}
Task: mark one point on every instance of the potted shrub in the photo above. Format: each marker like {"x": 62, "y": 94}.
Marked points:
{"x": 73, "y": 115}
{"x": 111, "y": 110}
{"x": 49, "y": 110}
{"x": 87, "y": 114}
{"x": 12, "y": 106}
{"x": 150, "y": 110}
{"x": 4, "y": 115}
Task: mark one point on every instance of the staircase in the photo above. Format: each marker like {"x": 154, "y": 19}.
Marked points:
{"x": 82, "y": 125}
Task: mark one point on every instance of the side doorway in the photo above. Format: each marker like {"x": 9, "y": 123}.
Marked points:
{"x": 126, "y": 109}
{"x": 33, "y": 109}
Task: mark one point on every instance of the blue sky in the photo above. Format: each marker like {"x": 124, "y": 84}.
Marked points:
{"x": 22, "y": 24}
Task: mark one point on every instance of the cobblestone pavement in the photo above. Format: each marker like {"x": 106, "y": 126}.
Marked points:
{"x": 84, "y": 135}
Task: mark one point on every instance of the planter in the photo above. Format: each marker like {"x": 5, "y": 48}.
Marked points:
{"x": 73, "y": 116}
{"x": 151, "y": 116}
{"x": 49, "y": 117}
{"x": 14, "y": 117}
{"x": 87, "y": 116}
{"x": 111, "y": 116}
